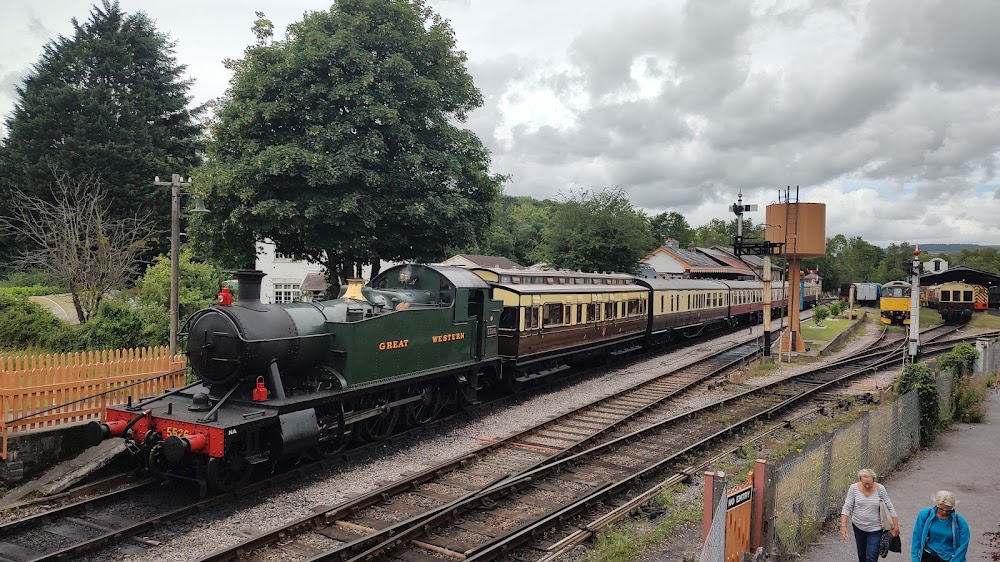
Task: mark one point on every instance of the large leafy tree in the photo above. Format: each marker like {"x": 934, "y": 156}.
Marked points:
{"x": 598, "y": 232}
{"x": 518, "y": 230}
{"x": 715, "y": 232}
{"x": 671, "y": 225}
{"x": 340, "y": 142}
{"x": 110, "y": 102}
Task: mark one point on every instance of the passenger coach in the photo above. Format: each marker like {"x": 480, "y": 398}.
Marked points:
{"x": 549, "y": 317}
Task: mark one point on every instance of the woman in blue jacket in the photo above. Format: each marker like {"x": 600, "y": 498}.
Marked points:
{"x": 940, "y": 534}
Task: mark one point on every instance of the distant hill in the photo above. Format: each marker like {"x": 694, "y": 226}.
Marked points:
{"x": 953, "y": 248}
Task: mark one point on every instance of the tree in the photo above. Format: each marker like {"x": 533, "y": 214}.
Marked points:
{"x": 716, "y": 233}
{"x": 108, "y": 101}
{"x": 75, "y": 241}
{"x": 198, "y": 285}
{"x": 517, "y": 231}
{"x": 598, "y": 232}
{"x": 671, "y": 225}
{"x": 340, "y": 145}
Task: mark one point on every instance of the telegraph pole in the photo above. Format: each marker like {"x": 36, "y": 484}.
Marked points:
{"x": 175, "y": 183}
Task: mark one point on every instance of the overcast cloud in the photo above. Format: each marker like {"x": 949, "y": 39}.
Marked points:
{"x": 887, "y": 111}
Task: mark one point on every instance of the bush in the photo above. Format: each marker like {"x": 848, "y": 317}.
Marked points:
{"x": 961, "y": 360}
{"x": 920, "y": 378}
{"x": 25, "y": 325}
{"x": 29, "y": 290}
{"x": 199, "y": 285}
{"x": 28, "y": 279}
{"x": 121, "y": 324}
{"x": 820, "y": 313}
{"x": 837, "y": 308}
{"x": 969, "y": 397}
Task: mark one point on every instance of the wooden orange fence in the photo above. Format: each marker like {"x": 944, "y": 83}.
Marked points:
{"x": 76, "y": 387}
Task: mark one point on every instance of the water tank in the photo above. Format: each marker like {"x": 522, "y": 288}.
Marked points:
{"x": 800, "y": 226}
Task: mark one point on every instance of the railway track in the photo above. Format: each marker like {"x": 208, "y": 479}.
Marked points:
{"x": 78, "y": 530}
{"x": 80, "y": 526}
{"x": 510, "y": 506}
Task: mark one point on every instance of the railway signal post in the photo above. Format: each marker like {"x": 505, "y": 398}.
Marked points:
{"x": 765, "y": 249}
{"x": 915, "y": 269}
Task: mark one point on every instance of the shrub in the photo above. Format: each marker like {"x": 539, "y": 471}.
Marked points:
{"x": 121, "y": 324}
{"x": 961, "y": 359}
{"x": 29, "y": 290}
{"x": 920, "y": 378}
{"x": 837, "y": 308}
{"x": 969, "y": 398}
{"x": 199, "y": 285}
{"x": 24, "y": 325}
{"x": 820, "y": 313}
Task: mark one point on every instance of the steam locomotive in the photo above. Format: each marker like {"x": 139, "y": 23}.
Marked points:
{"x": 277, "y": 381}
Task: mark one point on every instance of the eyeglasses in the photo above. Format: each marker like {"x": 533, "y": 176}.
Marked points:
{"x": 945, "y": 509}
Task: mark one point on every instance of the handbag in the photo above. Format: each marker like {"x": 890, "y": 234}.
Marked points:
{"x": 883, "y": 514}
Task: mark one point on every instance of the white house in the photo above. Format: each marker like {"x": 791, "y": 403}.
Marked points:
{"x": 288, "y": 280}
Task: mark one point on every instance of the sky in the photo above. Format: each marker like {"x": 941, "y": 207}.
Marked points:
{"x": 888, "y": 112}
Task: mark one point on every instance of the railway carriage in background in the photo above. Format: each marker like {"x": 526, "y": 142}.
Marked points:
{"x": 895, "y": 303}
{"x": 955, "y": 301}
{"x": 867, "y": 294}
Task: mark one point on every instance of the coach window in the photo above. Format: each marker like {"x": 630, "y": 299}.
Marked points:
{"x": 532, "y": 320}
{"x": 505, "y": 278}
{"x": 553, "y": 315}
{"x": 579, "y": 314}
{"x": 609, "y": 310}
{"x": 593, "y": 312}
{"x": 946, "y": 296}
{"x": 633, "y": 307}
{"x": 967, "y": 296}
{"x": 515, "y": 279}
{"x": 508, "y": 318}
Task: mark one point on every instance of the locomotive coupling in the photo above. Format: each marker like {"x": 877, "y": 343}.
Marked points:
{"x": 175, "y": 448}
{"x": 95, "y": 432}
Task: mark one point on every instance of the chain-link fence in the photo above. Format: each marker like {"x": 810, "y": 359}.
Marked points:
{"x": 811, "y": 486}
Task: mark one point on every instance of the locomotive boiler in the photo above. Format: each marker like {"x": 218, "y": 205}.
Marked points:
{"x": 280, "y": 380}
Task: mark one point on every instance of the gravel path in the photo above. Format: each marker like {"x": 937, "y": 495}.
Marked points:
{"x": 213, "y": 530}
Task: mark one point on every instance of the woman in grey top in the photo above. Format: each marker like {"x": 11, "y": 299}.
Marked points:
{"x": 861, "y": 507}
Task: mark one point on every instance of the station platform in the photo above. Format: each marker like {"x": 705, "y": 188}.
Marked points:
{"x": 964, "y": 460}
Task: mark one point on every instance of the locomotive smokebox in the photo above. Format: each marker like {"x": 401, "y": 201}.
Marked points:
{"x": 234, "y": 343}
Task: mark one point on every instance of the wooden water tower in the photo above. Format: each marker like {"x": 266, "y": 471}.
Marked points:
{"x": 801, "y": 229}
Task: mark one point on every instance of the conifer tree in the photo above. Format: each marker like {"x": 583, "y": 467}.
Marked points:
{"x": 109, "y": 101}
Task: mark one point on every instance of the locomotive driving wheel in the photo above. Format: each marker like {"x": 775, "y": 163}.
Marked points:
{"x": 428, "y": 407}
{"x": 228, "y": 473}
{"x": 381, "y": 425}
{"x": 333, "y": 435}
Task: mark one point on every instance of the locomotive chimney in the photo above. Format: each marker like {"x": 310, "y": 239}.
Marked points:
{"x": 249, "y": 284}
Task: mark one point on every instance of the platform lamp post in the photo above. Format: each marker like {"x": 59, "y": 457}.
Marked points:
{"x": 176, "y": 183}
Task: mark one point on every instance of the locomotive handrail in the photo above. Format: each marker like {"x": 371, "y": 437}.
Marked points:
{"x": 167, "y": 394}
{"x": 215, "y": 411}
{"x": 244, "y": 340}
